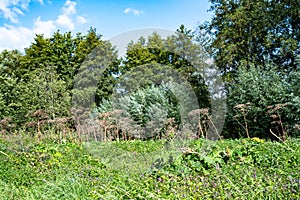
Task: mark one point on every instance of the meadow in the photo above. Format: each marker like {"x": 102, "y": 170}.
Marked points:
{"x": 56, "y": 168}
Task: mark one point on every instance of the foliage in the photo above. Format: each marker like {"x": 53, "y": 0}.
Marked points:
{"x": 42, "y": 79}
{"x": 256, "y": 32}
{"x": 179, "y": 51}
{"x": 255, "y": 92}
{"x": 146, "y": 106}
{"x": 243, "y": 169}
{"x": 94, "y": 79}
{"x": 9, "y": 63}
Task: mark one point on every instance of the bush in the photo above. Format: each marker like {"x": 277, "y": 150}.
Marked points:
{"x": 145, "y": 106}
{"x": 260, "y": 100}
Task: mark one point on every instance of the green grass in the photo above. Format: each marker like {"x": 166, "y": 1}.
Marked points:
{"x": 230, "y": 169}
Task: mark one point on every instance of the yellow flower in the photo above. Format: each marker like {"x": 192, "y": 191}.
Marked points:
{"x": 228, "y": 151}
{"x": 57, "y": 155}
{"x": 256, "y": 139}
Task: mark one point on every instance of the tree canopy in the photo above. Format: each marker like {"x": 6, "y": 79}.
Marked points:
{"x": 256, "y": 31}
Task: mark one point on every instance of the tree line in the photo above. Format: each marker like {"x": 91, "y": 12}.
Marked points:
{"x": 254, "y": 44}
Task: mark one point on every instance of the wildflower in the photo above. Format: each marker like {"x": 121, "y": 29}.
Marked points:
{"x": 256, "y": 139}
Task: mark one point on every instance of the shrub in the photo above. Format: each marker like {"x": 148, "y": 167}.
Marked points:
{"x": 260, "y": 100}
{"x": 145, "y": 106}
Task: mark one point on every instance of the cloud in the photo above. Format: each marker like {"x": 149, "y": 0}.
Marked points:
{"x": 15, "y": 37}
{"x": 12, "y": 9}
{"x": 65, "y": 21}
{"x": 44, "y": 27}
{"x": 80, "y": 20}
{"x": 19, "y": 37}
{"x": 127, "y": 10}
{"x": 134, "y": 11}
{"x": 69, "y": 8}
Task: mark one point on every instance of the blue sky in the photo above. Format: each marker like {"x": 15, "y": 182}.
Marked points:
{"x": 20, "y": 20}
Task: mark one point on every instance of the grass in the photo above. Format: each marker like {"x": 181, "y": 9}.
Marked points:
{"x": 231, "y": 169}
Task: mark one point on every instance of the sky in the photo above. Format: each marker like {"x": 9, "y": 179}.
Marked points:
{"x": 20, "y": 20}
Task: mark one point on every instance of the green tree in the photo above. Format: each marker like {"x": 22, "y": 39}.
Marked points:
{"x": 94, "y": 80}
{"x": 179, "y": 51}
{"x": 9, "y": 65}
{"x": 44, "y": 91}
{"x": 256, "y": 31}
{"x": 43, "y": 78}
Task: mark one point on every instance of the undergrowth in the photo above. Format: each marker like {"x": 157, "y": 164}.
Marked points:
{"x": 232, "y": 169}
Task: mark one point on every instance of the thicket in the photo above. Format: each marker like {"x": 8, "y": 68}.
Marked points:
{"x": 263, "y": 103}
{"x": 255, "y": 52}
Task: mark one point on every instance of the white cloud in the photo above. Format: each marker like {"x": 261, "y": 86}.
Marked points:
{"x": 15, "y": 37}
{"x": 134, "y": 11}
{"x": 138, "y": 12}
{"x": 17, "y": 11}
{"x": 127, "y": 10}
{"x": 8, "y": 13}
{"x": 80, "y": 20}
{"x": 44, "y": 27}
{"x": 65, "y": 21}
{"x": 11, "y": 9}
{"x": 20, "y": 37}
{"x": 69, "y": 8}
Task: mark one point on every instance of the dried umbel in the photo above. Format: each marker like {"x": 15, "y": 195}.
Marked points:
{"x": 30, "y": 124}
{"x": 274, "y": 116}
{"x": 5, "y": 121}
{"x": 244, "y": 109}
{"x": 197, "y": 112}
{"x": 273, "y": 108}
{"x": 5, "y": 125}
{"x": 203, "y": 120}
{"x": 38, "y": 113}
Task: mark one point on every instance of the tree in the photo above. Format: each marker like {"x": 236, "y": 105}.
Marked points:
{"x": 43, "y": 78}
{"x": 44, "y": 91}
{"x": 9, "y": 66}
{"x": 178, "y": 51}
{"x": 256, "y": 31}
{"x": 95, "y": 80}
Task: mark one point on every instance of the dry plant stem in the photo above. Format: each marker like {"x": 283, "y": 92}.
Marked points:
{"x": 245, "y": 128}
{"x": 281, "y": 141}
{"x": 200, "y": 128}
{"x": 213, "y": 125}
{"x": 282, "y": 135}
{"x": 276, "y": 135}
{"x": 242, "y": 108}
{"x": 246, "y": 124}
{"x": 282, "y": 128}
{"x": 281, "y": 138}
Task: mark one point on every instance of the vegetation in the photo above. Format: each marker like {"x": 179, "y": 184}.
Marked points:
{"x": 253, "y": 32}
{"x": 244, "y": 168}
{"x": 262, "y": 103}
{"x": 78, "y": 122}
